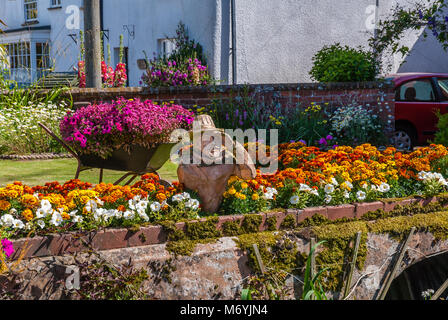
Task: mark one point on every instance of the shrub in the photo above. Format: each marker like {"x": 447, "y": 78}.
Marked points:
{"x": 441, "y": 136}
{"x": 100, "y": 129}
{"x": 343, "y": 64}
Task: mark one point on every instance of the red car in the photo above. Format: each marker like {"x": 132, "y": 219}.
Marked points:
{"x": 417, "y": 98}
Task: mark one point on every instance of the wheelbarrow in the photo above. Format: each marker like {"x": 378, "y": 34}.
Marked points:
{"x": 134, "y": 161}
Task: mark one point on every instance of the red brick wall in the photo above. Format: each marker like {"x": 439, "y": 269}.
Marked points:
{"x": 378, "y": 95}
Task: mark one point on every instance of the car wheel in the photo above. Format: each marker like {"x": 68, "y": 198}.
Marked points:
{"x": 402, "y": 138}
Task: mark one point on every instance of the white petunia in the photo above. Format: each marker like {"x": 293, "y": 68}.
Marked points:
{"x": 334, "y": 181}
{"x": 294, "y": 200}
{"x": 7, "y": 220}
{"x": 304, "y": 187}
{"x": 384, "y": 187}
{"x": 177, "y": 198}
{"x": 18, "y": 224}
{"x": 361, "y": 195}
{"x": 329, "y": 188}
{"x": 129, "y": 215}
{"x": 349, "y": 184}
{"x": 144, "y": 216}
{"x": 56, "y": 219}
{"x": 185, "y": 196}
{"x": 45, "y": 206}
{"x": 192, "y": 204}
{"x": 91, "y": 206}
{"x": 328, "y": 199}
{"x": 41, "y": 224}
{"x": 155, "y": 206}
{"x": 346, "y": 194}
{"x": 77, "y": 219}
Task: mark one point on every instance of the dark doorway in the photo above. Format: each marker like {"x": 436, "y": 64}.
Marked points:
{"x": 429, "y": 273}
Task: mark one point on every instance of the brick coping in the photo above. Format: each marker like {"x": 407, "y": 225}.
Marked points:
{"x": 108, "y": 239}
{"x": 227, "y": 88}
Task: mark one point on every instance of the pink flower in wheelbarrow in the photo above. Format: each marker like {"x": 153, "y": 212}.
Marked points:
{"x": 7, "y": 247}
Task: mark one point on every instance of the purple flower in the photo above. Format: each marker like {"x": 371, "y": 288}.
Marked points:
{"x": 323, "y": 141}
{"x": 329, "y": 137}
{"x": 335, "y": 146}
{"x": 303, "y": 141}
{"x": 7, "y": 247}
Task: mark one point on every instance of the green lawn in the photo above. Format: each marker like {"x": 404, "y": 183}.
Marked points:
{"x": 38, "y": 172}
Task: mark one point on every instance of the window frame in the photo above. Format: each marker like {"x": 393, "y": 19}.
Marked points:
{"x": 27, "y": 3}
{"x": 58, "y": 4}
{"x": 434, "y": 87}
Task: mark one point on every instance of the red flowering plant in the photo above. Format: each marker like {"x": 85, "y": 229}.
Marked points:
{"x": 111, "y": 78}
{"x": 101, "y": 128}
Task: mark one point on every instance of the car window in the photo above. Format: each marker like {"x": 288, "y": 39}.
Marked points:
{"x": 443, "y": 84}
{"x": 417, "y": 90}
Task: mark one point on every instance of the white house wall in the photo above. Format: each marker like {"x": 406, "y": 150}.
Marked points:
{"x": 275, "y": 39}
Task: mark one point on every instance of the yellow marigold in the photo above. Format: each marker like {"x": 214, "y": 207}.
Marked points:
{"x": 232, "y": 191}
{"x": 161, "y": 197}
{"x": 28, "y": 215}
{"x": 66, "y": 216}
{"x": 244, "y": 185}
{"x": 29, "y": 201}
{"x": 4, "y": 205}
{"x": 232, "y": 179}
{"x": 241, "y": 196}
{"x": 255, "y": 197}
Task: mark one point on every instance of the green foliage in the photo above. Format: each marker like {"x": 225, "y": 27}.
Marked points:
{"x": 343, "y": 64}
{"x": 186, "y": 48}
{"x": 441, "y": 136}
{"x": 312, "y": 288}
{"x": 429, "y": 16}
{"x": 105, "y": 281}
{"x": 441, "y": 166}
{"x": 248, "y": 109}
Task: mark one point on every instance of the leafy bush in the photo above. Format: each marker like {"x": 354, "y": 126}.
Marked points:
{"x": 343, "y": 64}
{"x": 441, "y": 136}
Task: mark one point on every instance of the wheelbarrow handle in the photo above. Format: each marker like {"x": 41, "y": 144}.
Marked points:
{"x": 62, "y": 142}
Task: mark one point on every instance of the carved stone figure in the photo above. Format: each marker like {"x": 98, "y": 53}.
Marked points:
{"x": 208, "y": 178}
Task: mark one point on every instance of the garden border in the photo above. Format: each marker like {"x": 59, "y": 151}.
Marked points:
{"x": 41, "y": 156}
{"x": 108, "y": 239}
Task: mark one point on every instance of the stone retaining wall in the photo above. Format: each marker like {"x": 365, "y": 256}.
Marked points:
{"x": 108, "y": 239}
{"x": 214, "y": 270}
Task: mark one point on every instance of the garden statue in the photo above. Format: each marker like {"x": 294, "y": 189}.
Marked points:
{"x": 209, "y": 178}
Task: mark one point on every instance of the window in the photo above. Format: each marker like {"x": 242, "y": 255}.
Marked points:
{"x": 42, "y": 59}
{"x": 416, "y": 91}
{"x": 166, "y": 47}
{"x": 55, "y": 3}
{"x": 443, "y": 84}
{"x": 19, "y": 58}
{"x": 30, "y": 10}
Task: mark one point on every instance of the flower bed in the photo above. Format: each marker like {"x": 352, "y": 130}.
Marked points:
{"x": 310, "y": 177}
{"x": 307, "y": 177}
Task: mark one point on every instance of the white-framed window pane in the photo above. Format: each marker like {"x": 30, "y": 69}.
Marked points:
{"x": 56, "y": 3}
{"x": 42, "y": 59}
{"x": 19, "y": 59}
{"x": 30, "y": 7}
